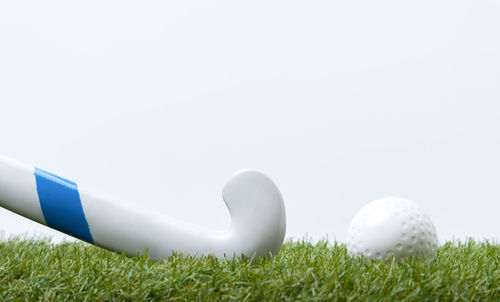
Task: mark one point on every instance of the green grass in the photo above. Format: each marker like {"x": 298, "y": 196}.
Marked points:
{"x": 32, "y": 270}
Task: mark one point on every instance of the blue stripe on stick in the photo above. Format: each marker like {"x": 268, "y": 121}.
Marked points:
{"x": 61, "y": 205}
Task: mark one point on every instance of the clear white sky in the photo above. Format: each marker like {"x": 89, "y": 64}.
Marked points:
{"x": 157, "y": 103}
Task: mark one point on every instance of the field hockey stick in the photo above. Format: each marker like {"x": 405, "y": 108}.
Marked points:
{"x": 255, "y": 204}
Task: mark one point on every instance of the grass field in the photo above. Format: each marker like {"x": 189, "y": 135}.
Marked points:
{"x": 35, "y": 270}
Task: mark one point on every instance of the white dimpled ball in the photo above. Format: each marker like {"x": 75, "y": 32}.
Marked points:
{"x": 392, "y": 226}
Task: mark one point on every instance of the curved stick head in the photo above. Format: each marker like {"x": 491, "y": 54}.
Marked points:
{"x": 258, "y": 219}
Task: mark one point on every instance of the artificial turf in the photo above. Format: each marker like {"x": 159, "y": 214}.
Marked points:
{"x": 37, "y": 270}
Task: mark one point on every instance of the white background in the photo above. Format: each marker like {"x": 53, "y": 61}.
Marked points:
{"x": 341, "y": 102}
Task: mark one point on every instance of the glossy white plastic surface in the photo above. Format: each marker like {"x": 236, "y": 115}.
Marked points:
{"x": 258, "y": 224}
{"x": 392, "y": 225}
{"x": 18, "y": 190}
{"x": 258, "y": 220}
